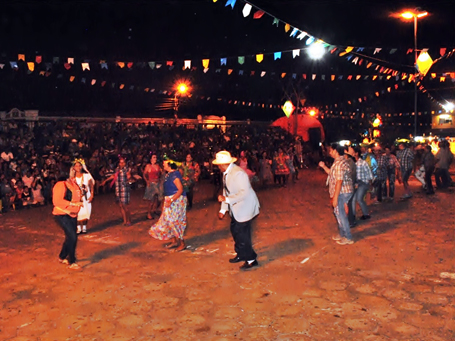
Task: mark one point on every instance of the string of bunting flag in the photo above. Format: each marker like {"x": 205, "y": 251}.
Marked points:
{"x": 124, "y": 86}
{"x": 384, "y": 73}
{"x": 297, "y": 33}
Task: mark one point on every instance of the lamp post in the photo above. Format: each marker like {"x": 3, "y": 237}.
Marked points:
{"x": 415, "y": 15}
{"x": 182, "y": 89}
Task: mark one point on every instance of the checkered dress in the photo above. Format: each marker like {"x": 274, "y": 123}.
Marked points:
{"x": 122, "y": 187}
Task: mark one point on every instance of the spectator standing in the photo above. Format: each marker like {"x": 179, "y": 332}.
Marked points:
{"x": 428, "y": 161}
{"x": 190, "y": 176}
{"x": 364, "y": 178}
{"x": 443, "y": 159}
{"x": 393, "y": 173}
{"x": 406, "y": 159}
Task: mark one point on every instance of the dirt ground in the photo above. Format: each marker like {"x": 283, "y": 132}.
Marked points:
{"x": 386, "y": 286}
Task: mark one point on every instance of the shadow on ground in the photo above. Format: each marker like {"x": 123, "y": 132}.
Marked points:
{"x": 111, "y": 252}
{"x": 284, "y": 248}
{"x": 204, "y": 239}
{"x": 378, "y": 228}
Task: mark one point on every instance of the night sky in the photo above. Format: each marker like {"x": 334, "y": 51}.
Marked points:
{"x": 142, "y": 31}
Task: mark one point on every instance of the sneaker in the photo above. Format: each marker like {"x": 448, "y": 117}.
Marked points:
{"x": 406, "y": 196}
{"x": 78, "y": 229}
{"x": 345, "y": 241}
{"x": 336, "y": 237}
{"x": 74, "y": 266}
{"x": 84, "y": 229}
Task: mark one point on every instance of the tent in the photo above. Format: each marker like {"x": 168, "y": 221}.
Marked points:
{"x": 305, "y": 122}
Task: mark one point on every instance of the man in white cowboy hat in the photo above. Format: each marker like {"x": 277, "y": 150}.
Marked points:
{"x": 242, "y": 203}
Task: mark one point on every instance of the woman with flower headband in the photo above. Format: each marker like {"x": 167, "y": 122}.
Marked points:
{"x": 86, "y": 183}
{"x": 172, "y": 222}
{"x": 121, "y": 179}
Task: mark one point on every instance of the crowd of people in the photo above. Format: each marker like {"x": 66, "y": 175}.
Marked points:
{"x": 68, "y": 163}
{"x": 34, "y": 156}
{"x": 355, "y": 170}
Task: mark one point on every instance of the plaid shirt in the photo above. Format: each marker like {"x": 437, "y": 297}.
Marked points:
{"x": 340, "y": 171}
{"x": 392, "y": 162}
{"x": 406, "y": 158}
{"x": 364, "y": 173}
{"x": 382, "y": 166}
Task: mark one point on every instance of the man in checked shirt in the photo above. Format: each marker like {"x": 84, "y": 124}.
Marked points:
{"x": 405, "y": 157}
{"x": 341, "y": 188}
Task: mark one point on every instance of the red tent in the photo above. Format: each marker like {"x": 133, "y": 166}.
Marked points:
{"x": 304, "y": 123}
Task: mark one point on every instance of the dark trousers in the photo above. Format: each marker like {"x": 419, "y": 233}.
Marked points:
{"x": 189, "y": 196}
{"x": 428, "y": 181}
{"x": 379, "y": 188}
{"x": 442, "y": 178}
{"x": 69, "y": 226}
{"x": 281, "y": 179}
{"x": 391, "y": 178}
{"x": 241, "y": 232}
{"x": 351, "y": 216}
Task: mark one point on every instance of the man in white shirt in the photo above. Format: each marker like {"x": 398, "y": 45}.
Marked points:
{"x": 242, "y": 203}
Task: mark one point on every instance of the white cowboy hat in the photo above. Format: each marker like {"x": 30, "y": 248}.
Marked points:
{"x": 223, "y": 158}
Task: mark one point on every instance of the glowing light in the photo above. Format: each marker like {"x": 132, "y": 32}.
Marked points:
{"x": 449, "y": 106}
{"x": 312, "y": 112}
{"x": 316, "y": 50}
{"x": 345, "y": 143}
{"x": 377, "y": 122}
{"x": 410, "y": 15}
{"x": 376, "y": 133}
{"x": 407, "y": 15}
{"x": 424, "y": 63}
{"x": 288, "y": 108}
{"x": 182, "y": 88}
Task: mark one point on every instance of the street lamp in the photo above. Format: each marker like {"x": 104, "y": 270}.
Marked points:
{"x": 182, "y": 89}
{"x": 409, "y": 15}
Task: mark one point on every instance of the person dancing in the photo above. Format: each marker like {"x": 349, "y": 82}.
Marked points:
{"x": 172, "y": 222}
{"x": 153, "y": 193}
{"x": 86, "y": 183}
{"x": 67, "y": 198}
{"x": 242, "y": 203}
{"x": 121, "y": 178}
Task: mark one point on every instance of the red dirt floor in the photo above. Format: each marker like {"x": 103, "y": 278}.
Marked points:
{"x": 386, "y": 286}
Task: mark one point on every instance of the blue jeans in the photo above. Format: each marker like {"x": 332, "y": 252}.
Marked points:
{"x": 69, "y": 226}
{"x": 359, "y": 197}
{"x": 342, "y": 217}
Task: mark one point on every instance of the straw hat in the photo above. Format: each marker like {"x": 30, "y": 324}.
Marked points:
{"x": 223, "y": 158}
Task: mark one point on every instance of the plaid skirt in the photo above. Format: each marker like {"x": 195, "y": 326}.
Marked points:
{"x": 172, "y": 222}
